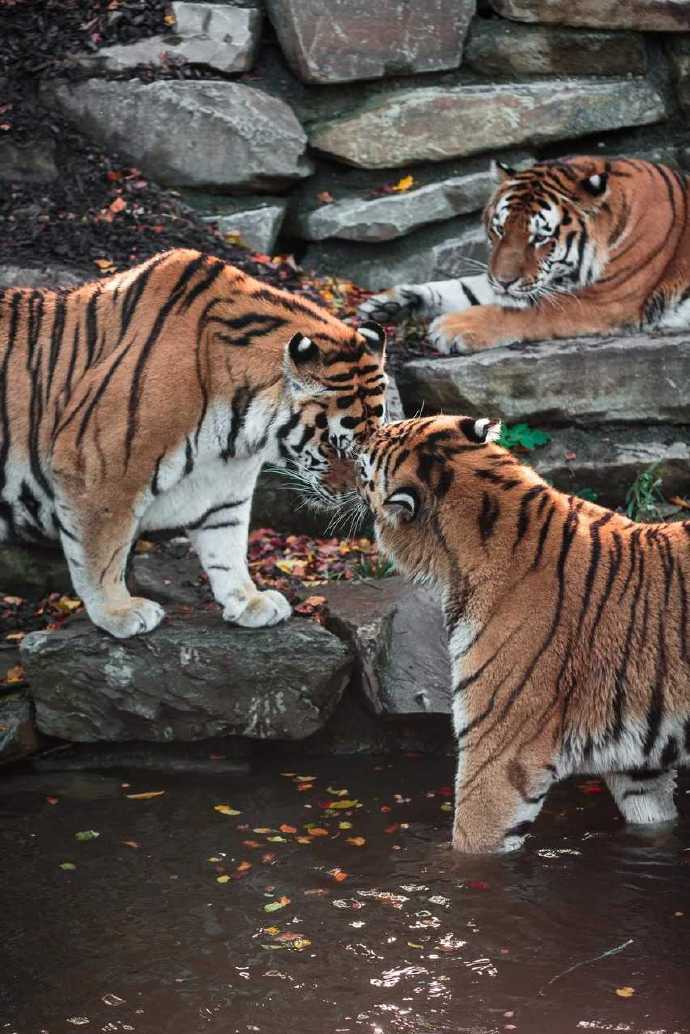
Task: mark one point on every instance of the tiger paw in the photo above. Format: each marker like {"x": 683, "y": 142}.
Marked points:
{"x": 259, "y": 610}
{"x": 390, "y": 306}
{"x": 139, "y": 617}
{"x": 460, "y": 333}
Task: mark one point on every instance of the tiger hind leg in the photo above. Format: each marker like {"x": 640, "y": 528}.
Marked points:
{"x": 644, "y": 795}
{"x": 97, "y": 544}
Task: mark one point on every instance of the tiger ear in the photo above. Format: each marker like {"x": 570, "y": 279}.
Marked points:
{"x": 374, "y": 335}
{"x": 595, "y": 184}
{"x": 482, "y": 431}
{"x": 500, "y": 172}
{"x": 402, "y": 505}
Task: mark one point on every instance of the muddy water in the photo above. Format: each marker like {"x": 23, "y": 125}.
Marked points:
{"x": 387, "y": 934}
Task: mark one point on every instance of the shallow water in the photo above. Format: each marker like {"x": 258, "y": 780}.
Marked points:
{"x": 393, "y": 936}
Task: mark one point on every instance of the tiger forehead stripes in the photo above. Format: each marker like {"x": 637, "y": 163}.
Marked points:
{"x": 584, "y": 245}
{"x": 568, "y": 625}
{"x": 151, "y": 400}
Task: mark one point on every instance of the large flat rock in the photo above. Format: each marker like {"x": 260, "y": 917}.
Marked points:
{"x": 638, "y": 379}
{"x": 398, "y": 634}
{"x": 343, "y": 40}
{"x": 393, "y": 215}
{"x": 606, "y": 460}
{"x": 192, "y": 678}
{"x": 496, "y": 47}
{"x": 221, "y": 135}
{"x": 435, "y": 252}
{"x": 436, "y": 123}
{"x": 641, "y": 15}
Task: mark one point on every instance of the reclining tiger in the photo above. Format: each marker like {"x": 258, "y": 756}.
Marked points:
{"x": 151, "y": 399}
{"x": 568, "y": 625}
{"x": 577, "y": 246}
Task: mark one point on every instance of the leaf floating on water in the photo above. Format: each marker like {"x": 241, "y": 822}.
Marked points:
{"x": 338, "y": 875}
{"x": 625, "y": 992}
{"x": 147, "y": 795}
{"x": 222, "y": 879}
{"x": 287, "y": 829}
{"x": 131, "y": 843}
{"x": 225, "y": 809}
{"x": 262, "y": 829}
{"x": 446, "y": 806}
{"x": 342, "y": 805}
{"x": 357, "y": 841}
{"x": 244, "y": 867}
{"x": 251, "y": 843}
{"x": 15, "y": 674}
{"x": 274, "y": 906}
{"x": 337, "y": 793}
{"x": 303, "y": 840}
{"x": 86, "y": 834}
{"x": 52, "y": 800}
{"x": 317, "y": 831}
{"x": 344, "y": 825}
{"x": 67, "y": 866}
{"x": 276, "y": 840}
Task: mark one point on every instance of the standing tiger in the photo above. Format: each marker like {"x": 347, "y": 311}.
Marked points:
{"x": 578, "y": 246}
{"x": 568, "y": 625}
{"x": 151, "y": 400}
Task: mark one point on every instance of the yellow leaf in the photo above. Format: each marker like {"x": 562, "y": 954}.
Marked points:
{"x": 104, "y": 264}
{"x": 344, "y": 825}
{"x": 301, "y": 942}
{"x": 15, "y": 637}
{"x": 262, "y": 829}
{"x": 404, "y": 184}
{"x": 15, "y": 674}
{"x": 625, "y": 992}
{"x": 225, "y": 809}
{"x": 357, "y": 841}
{"x": 411, "y": 945}
{"x": 276, "y": 840}
{"x": 303, "y": 840}
{"x": 67, "y": 604}
{"x": 145, "y": 796}
{"x": 273, "y": 906}
{"x": 336, "y": 793}
{"x": 170, "y": 19}
{"x": 222, "y": 879}
{"x": 343, "y": 805}
{"x": 271, "y": 930}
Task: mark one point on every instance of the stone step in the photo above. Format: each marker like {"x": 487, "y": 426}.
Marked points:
{"x": 194, "y": 677}
{"x": 398, "y": 127}
{"x": 639, "y": 379}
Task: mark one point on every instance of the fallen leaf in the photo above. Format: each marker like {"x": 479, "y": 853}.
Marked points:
{"x": 13, "y": 601}
{"x": 86, "y": 834}
{"x": 325, "y": 197}
{"x": 357, "y": 841}
{"x": 225, "y": 809}
{"x": 15, "y": 674}
{"x": 15, "y": 637}
{"x": 337, "y": 793}
{"x": 132, "y": 843}
{"x": 244, "y": 867}
{"x": 317, "y": 831}
{"x": 276, "y": 840}
{"x": 303, "y": 840}
{"x": 300, "y": 943}
{"x": 570, "y": 456}
{"x": 274, "y": 906}
{"x": 146, "y": 796}
{"x": 393, "y": 828}
{"x": 404, "y": 184}
{"x": 342, "y": 805}
{"x": 67, "y": 604}
{"x": 67, "y": 866}
{"x": 251, "y": 843}
{"x": 223, "y": 879}
{"x": 287, "y": 829}
{"x": 446, "y": 806}
{"x": 170, "y": 19}
{"x": 338, "y": 875}
{"x": 52, "y": 800}
{"x": 344, "y": 825}
{"x": 104, "y": 264}
{"x": 316, "y": 892}
{"x": 262, "y": 829}
{"x": 411, "y": 945}
{"x": 271, "y": 930}
{"x": 625, "y": 992}
{"x": 118, "y": 205}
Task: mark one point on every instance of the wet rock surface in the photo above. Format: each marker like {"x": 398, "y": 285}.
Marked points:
{"x": 194, "y": 677}
{"x": 18, "y": 736}
{"x": 346, "y": 40}
{"x": 203, "y": 134}
{"x": 635, "y": 379}
{"x": 33, "y": 570}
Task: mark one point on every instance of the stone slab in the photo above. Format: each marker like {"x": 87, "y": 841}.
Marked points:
{"x": 642, "y": 378}
{"x": 501, "y": 48}
{"x": 199, "y": 133}
{"x": 438, "y": 123}
{"x": 640, "y": 15}
{"x": 345, "y": 40}
{"x": 192, "y": 678}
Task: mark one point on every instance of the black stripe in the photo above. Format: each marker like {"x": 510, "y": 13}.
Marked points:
{"x": 470, "y": 295}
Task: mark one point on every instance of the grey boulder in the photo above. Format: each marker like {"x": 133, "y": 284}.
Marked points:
{"x": 192, "y": 678}
{"x": 18, "y": 736}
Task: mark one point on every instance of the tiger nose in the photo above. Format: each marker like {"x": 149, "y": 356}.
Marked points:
{"x": 505, "y": 284}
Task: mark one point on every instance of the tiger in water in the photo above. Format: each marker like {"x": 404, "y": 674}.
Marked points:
{"x": 577, "y": 246}
{"x": 151, "y": 400}
{"x": 568, "y": 625}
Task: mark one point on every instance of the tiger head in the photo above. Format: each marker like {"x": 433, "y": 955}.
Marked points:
{"x": 549, "y": 227}
{"x": 420, "y": 479}
{"x": 336, "y": 391}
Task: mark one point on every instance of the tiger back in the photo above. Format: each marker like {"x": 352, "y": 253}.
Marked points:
{"x": 151, "y": 400}
{"x": 568, "y": 625}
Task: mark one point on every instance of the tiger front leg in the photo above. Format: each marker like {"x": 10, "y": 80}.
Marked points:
{"x": 96, "y": 539}
{"x": 644, "y": 796}
{"x": 220, "y": 540}
{"x": 497, "y": 799}
{"x": 427, "y": 300}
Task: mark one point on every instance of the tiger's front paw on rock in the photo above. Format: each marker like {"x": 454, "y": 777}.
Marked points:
{"x": 259, "y": 610}
{"x": 139, "y": 617}
{"x": 449, "y": 337}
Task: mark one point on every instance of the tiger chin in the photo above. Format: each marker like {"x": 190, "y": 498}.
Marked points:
{"x": 568, "y": 626}
{"x": 578, "y": 246}
{"x": 151, "y": 400}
